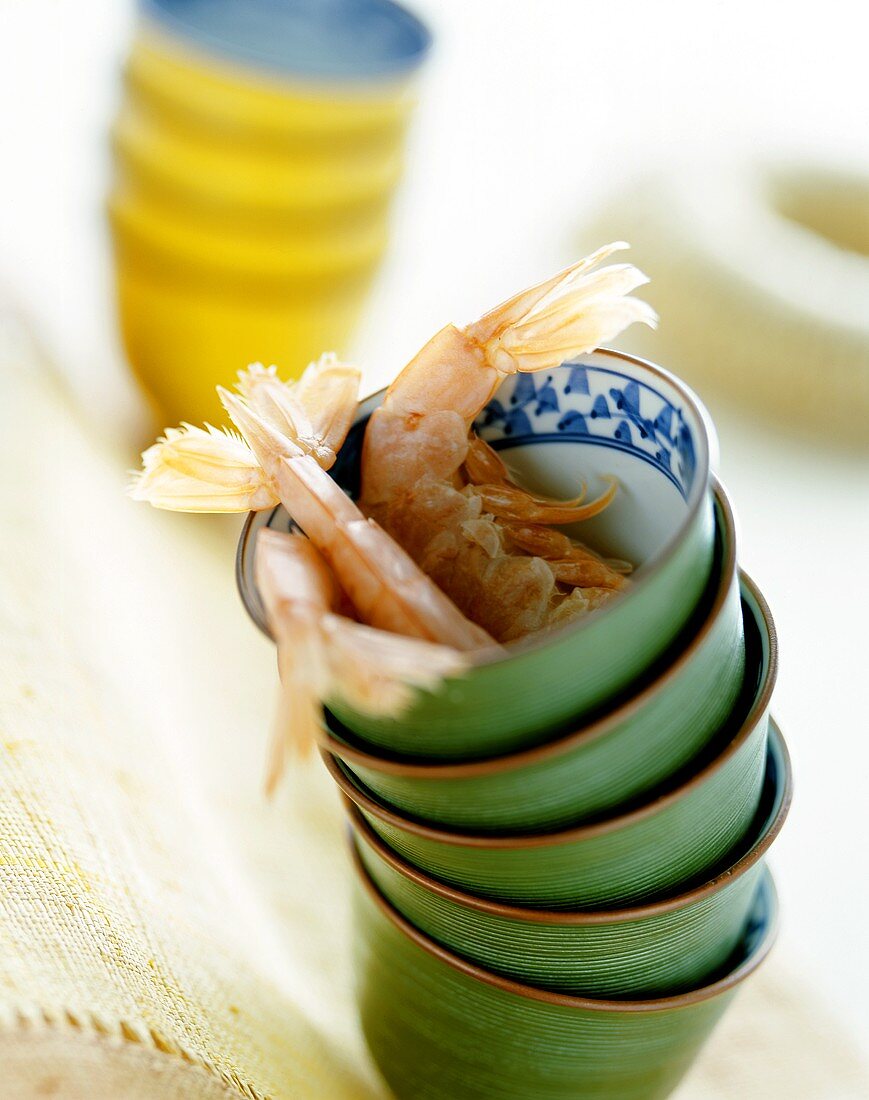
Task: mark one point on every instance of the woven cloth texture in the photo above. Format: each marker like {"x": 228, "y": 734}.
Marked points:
{"x": 165, "y": 931}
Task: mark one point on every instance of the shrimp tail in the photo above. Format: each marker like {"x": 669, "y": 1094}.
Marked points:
{"x": 316, "y": 412}
{"x": 570, "y": 314}
{"x": 380, "y": 672}
{"x": 323, "y": 655}
{"x": 192, "y": 469}
{"x": 268, "y": 443}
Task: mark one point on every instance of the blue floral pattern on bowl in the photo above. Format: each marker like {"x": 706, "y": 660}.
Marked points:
{"x": 605, "y": 407}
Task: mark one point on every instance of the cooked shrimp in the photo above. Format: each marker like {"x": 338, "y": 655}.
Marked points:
{"x": 316, "y": 411}
{"x": 383, "y": 583}
{"x": 323, "y": 654}
{"x": 450, "y": 502}
{"x": 207, "y": 469}
{"x": 291, "y": 433}
{"x": 313, "y": 590}
{"x": 570, "y": 561}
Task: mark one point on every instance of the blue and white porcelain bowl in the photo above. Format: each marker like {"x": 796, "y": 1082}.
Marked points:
{"x": 606, "y": 414}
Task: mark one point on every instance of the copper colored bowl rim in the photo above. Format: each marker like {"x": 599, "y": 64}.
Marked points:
{"x": 579, "y": 917}
{"x": 505, "y": 762}
{"x": 565, "y": 1000}
{"x": 760, "y": 705}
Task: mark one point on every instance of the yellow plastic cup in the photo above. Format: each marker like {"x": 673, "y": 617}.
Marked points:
{"x": 182, "y": 339}
{"x": 208, "y": 211}
{"x": 219, "y": 95}
{"x": 256, "y": 152}
{"x": 235, "y": 255}
{"x": 251, "y": 183}
{"x": 196, "y": 308}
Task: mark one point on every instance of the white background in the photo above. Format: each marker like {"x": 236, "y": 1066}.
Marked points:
{"x": 530, "y": 113}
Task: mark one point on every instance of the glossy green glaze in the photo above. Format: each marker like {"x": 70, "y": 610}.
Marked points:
{"x": 442, "y": 1029}
{"x": 625, "y": 753}
{"x": 517, "y": 701}
{"x": 647, "y": 951}
{"x": 644, "y": 853}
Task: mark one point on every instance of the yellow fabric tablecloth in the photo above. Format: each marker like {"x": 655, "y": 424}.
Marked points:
{"x": 164, "y": 931}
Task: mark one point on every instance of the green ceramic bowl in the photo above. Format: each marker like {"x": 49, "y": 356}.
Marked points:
{"x": 607, "y": 413}
{"x": 665, "y": 723}
{"x": 647, "y": 951}
{"x": 646, "y": 852}
{"x": 440, "y": 1028}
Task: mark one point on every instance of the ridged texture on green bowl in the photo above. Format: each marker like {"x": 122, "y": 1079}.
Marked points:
{"x": 512, "y": 704}
{"x": 440, "y": 1034}
{"x": 590, "y": 776}
{"x": 640, "y": 857}
{"x": 681, "y": 944}
{"x": 644, "y": 957}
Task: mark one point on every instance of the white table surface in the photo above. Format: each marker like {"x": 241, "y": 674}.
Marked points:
{"x": 530, "y": 112}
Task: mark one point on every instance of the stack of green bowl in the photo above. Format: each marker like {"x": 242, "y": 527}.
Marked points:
{"x": 561, "y": 856}
{"x": 256, "y": 151}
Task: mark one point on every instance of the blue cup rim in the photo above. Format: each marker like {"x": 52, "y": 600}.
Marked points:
{"x": 414, "y": 41}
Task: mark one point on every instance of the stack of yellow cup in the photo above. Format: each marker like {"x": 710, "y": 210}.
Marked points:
{"x": 256, "y": 151}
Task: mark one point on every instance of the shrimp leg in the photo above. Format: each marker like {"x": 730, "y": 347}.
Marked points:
{"x": 513, "y": 503}
{"x": 502, "y": 497}
{"x": 488, "y": 474}
{"x": 571, "y": 563}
